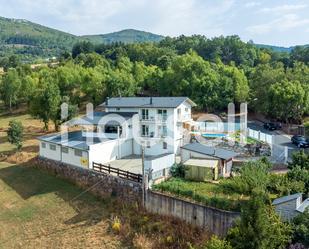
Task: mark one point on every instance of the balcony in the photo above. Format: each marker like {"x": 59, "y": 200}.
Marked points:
{"x": 153, "y": 135}
{"x": 154, "y": 119}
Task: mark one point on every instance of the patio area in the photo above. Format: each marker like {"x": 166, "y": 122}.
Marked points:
{"x": 131, "y": 163}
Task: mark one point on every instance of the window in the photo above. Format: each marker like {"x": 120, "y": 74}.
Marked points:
{"x": 162, "y": 114}
{"x": 145, "y": 130}
{"x": 52, "y": 147}
{"x": 164, "y": 145}
{"x": 43, "y": 145}
{"x": 148, "y": 144}
{"x": 78, "y": 153}
{"x": 186, "y": 109}
{"x": 65, "y": 150}
{"x": 118, "y": 109}
{"x": 163, "y": 131}
{"x": 145, "y": 114}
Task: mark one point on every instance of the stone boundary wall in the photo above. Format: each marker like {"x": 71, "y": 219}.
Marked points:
{"x": 215, "y": 220}
{"x": 99, "y": 184}
{"x": 103, "y": 185}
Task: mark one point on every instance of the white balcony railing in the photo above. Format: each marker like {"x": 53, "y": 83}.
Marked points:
{"x": 156, "y": 118}
{"x": 99, "y": 135}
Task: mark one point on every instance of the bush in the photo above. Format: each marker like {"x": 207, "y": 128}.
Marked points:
{"x": 282, "y": 185}
{"x": 178, "y": 170}
{"x": 15, "y": 133}
{"x": 301, "y": 228}
{"x": 252, "y": 175}
{"x": 301, "y": 175}
{"x": 299, "y": 159}
{"x": 216, "y": 243}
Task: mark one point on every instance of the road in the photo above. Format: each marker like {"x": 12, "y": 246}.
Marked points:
{"x": 280, "y": 140}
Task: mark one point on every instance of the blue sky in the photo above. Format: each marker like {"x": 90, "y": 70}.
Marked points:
{"x": 278, "y": 22}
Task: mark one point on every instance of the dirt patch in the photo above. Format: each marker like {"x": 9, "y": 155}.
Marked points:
{"x": 20, "y": 157}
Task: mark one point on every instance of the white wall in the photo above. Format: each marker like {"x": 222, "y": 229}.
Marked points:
{"x": 71, "y": 158}
{"x": 126, "y": 148}
{"x": 51, "y": 154}
{"x": 159, "y": 163}
{"x": 109, "y": 151}
{"x": 103, "y": 152}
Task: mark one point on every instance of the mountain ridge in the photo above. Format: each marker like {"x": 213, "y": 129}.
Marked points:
{"x": 33, "y": 40}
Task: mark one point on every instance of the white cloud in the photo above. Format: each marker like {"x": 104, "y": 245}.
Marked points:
{"x": 283, "y": 8}
{"x": 252, "y": 4}
{"x": 251, "y": 19}
{"x": 282, "y": 24}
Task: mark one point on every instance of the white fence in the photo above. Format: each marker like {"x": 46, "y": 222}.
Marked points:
{"x": 261, "y": 136}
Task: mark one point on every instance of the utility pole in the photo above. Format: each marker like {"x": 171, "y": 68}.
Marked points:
{"x": 143, "y": 176}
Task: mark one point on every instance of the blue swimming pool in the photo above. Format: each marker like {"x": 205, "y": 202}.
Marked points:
{"x": 214, "y": 135}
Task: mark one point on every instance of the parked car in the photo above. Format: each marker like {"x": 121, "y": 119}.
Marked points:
{"x": 271, "y": 126}
{"x": 300, "y": 141}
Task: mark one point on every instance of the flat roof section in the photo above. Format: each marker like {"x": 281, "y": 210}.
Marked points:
{"x": 75, "y": 140}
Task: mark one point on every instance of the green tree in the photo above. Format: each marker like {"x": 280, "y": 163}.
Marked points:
{"x": 301, "y": 228}
{"x": 82, "y": 47}
{"x": 10, "y": 88}
{"x": 253, "y": 175}
{"x": 286, "y": 100}
{"x": 299, "y": 159}
{"x": 56, "y": 116}
{"x": 259, "y": 227}
{"x": 216, "y": 243}
{"x": 15, "y": 133}
{"x": 46, "y": 101}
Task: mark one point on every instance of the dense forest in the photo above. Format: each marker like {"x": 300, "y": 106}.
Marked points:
{"x": 213, "y": 72}
{"x": 31, "y": 41}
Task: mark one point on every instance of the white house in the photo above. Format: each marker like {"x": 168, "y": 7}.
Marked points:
{"x": 124, "y": 128}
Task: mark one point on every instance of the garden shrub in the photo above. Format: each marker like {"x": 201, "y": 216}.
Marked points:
{"x": 178, "y": 170}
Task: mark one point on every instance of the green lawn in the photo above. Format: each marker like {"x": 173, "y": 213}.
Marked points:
{"x": 38, "y": 210}
{"x": 211, "y": 194}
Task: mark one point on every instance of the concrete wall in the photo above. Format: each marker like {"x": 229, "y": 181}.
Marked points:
{"x": 48, "y": 153}
{"x": 159, "y": 163}
{"x": 215, "y": 220}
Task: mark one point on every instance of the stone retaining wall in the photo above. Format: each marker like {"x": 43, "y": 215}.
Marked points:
{"x": 102, "y": 185}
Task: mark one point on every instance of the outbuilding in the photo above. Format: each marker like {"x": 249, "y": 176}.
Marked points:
{"x": 206, "y": 162}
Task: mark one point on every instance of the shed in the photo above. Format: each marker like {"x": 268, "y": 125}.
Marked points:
{"x": 201, "y": 158}
{"x": 290, "y": 206}
{"x": 201, "y": 169}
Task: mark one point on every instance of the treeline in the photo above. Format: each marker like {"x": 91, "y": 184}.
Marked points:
{"x": 212, "y": 72}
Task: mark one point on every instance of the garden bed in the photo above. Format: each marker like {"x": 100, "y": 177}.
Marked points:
{"x": 211, "y": 194}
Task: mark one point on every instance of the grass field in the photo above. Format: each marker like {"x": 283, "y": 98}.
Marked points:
{"x": 38, "y": 210}
{"x": 211, "y": 194}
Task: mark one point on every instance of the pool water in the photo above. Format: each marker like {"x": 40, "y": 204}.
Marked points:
{"x": 214, "y": 135}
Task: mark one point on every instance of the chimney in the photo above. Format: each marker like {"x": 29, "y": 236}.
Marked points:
{"x": 106, "y": 102}
{"x": 151, "y": 100}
